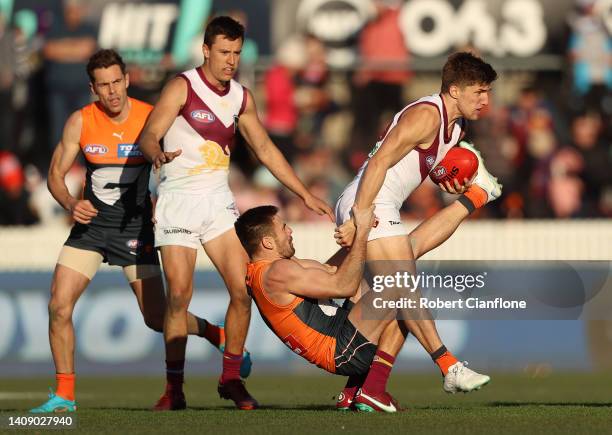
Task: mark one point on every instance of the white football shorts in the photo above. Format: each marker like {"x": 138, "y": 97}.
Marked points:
{"x": 192, "y": 220}
{"x": 389, "y": 222}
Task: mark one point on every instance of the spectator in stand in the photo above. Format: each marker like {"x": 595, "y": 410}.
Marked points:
{"x": 7, "y": 75}
{"x": 280, "y": 93}
{"x": 531, "y": 127}
{"x": 565, "y": 188}
{"x": 70, "y": 43}
{"x": 596, "y": 154}
{"x": 15, "y": 206}
{"x": 590, "y": 52}
{"x": 379, "y": 80}
{"x": 313, "y": 97}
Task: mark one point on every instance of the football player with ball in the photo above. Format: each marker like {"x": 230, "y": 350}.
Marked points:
{"x": 415, "y": 143}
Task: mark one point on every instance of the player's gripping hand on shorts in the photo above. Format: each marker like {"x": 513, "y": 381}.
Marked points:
{"x": 345, "y": 233}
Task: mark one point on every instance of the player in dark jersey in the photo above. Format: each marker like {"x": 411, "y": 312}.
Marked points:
{"x": 113, "y": 219}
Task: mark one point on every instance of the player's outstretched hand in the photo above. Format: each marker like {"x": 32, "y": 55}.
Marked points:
{"x": 164, "y": 157}
{"x": 83, "y": 211}
{"x": 319, "y": 206}
{"x": 455, "y": 188}
{"x": 364, "y": 217}
{"x": 345, "y": 233}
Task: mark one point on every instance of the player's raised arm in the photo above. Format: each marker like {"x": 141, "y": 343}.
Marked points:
{"x": 418, "y": 125}
{"x": 270, "y": 156}
{"x": 63, "y": 158}
{"x": 170, "y": 102}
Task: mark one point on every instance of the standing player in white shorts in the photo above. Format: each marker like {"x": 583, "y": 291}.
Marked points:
{"x": 418, "y": 138}
{"x": 197, "y": 116}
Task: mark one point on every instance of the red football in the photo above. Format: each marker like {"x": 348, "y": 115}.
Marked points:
{"x": 458, "y": 163}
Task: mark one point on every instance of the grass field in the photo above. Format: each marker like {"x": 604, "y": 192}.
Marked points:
{"x": 559, "y": 403}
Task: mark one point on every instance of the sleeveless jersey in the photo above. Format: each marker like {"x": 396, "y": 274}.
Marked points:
{"x": 306, "y": 326}
{"x": 407, "y": 174}
{"x": 117, "y": 179}
{"x": 204, "y": 130}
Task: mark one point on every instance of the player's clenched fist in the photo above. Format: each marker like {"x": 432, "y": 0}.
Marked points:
{"x": 345, "y": 233}
{"x": 83, "y": 211}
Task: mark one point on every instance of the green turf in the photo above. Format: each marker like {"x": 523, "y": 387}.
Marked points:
{"x": 557, "y": 403}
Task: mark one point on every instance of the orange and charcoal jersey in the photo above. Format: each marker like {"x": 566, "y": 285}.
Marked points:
{"x": 117, "y": 179}
{"x": 309, "y": 327}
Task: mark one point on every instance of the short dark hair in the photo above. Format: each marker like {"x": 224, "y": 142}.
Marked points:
{"x": 104, "y": 58}
{"x": 253, "y": 225}
{"x": 223, "y": 25}
{"x": 465, "y": 69}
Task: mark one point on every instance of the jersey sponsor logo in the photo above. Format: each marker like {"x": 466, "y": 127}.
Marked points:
{"x": 95, "y": 149}
{"x": 203, "y": 116}
{"x": 394, "y": 222}
{"x": 118, "y": 135}
{"x": 175, "y": 230}
{"x": 292, "y": 343}
{"x": 128, "y": 150}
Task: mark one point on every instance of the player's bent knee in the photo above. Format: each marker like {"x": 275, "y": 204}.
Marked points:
{"x": 178, "y": 299}
{"x": 59, "y": 311}
{"x": 241, "y": 300}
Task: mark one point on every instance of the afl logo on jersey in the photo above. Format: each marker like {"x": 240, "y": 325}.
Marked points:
{"x": 134, "y": 244}
{"x": 95, "y": 149}
{"x": 203, "y": 116}
{"x": 430, "y": 160}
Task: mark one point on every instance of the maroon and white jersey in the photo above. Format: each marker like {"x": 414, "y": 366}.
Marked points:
{"x": 407, "y": 174}
{"x": 204, "y": 130}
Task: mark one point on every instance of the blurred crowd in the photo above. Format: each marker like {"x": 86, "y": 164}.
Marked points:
{"x": 550, "y": 142}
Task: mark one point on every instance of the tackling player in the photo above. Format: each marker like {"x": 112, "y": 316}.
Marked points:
{"x": 294, "y": 297}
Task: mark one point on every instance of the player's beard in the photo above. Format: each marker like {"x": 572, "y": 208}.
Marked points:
{"x": 288, "y": 250}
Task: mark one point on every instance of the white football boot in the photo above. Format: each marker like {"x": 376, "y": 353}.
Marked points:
{"x": 483, "y": 178}
{"x": 461, "y": 379}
